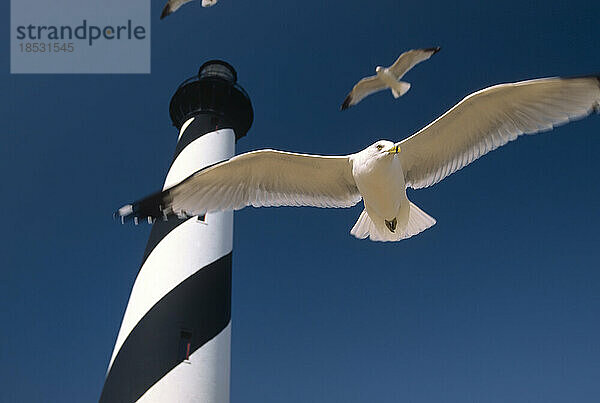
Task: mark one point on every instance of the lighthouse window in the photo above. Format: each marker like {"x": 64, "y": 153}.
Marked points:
{"x": 185, "y": 345}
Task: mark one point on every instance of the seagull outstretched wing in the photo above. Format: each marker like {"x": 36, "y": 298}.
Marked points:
{"x": 258, "y": 178}
{"x": 410, "y": 59}
{"x": 362, "y": 89}
{"x": 372, "y": 84}
{"x": 490, "y": 118}
{"x": 173, "y": 5}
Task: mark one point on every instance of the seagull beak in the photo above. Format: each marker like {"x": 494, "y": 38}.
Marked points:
{"x": 394, "y": 150}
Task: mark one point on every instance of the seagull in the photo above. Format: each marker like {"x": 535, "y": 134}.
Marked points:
{"x": 381, "y": 173}
{"x": 388, "y": 77}
{"x": 173, "y": 5}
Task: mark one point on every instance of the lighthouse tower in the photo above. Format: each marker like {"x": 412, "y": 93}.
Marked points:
{"x": 175, "y": 339}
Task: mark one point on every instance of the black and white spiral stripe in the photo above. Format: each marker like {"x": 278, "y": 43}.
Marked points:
{"x": 174, "y": 341}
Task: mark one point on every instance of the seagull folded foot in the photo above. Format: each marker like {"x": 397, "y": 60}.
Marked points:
{"x": 391, "y": 224}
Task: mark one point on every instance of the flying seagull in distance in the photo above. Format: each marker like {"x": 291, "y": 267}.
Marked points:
{"x": 173, "y": 5}
{"x": 379, "y": 174}
{"x": 388, "y": 77}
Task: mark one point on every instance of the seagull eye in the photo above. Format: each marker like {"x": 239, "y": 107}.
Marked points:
{"x": 380, "y": 146}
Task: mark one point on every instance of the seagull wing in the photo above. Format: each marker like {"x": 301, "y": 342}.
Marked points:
{"x": 490, "y": 118}
{"x": 258, "y": 178}
{"x": 209, "y": 3}
{"x": 410, "y": 59}
{"x": 362, "y": 89}
{"x": 172, "y": 6}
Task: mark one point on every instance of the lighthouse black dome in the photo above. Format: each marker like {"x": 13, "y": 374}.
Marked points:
{"x": 214, "y": 92}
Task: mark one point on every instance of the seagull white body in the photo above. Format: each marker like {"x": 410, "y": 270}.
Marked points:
{"x": 398, "y": 88}
{"x": 380, "y": 174}
{"x": 388, "y": 77}
{"x": 380, "y": 181}
{"x": 173, "y": 5}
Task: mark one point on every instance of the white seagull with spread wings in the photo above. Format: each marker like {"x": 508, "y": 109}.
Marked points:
{"x": 380, "y": 174}
{"x": 173, "y": 5}
{"x": 388, "y": 77}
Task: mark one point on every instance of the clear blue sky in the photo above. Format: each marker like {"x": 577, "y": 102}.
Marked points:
{"x": 498, "y": 302}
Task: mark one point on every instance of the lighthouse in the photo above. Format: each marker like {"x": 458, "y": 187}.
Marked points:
{"x": 175, "y": 338}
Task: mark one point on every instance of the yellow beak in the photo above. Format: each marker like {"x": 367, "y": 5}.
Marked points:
{"x": 394, "y": 150}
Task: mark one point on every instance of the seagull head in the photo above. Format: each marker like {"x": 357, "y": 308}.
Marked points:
{"x": 382, "y": 149}
{"x": 378, "y": 68}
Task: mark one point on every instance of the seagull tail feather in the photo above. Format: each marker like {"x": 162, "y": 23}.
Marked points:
{"x": 418, "y": 221}
{"x": 362, "y": 228}
{"x": 400, "y": 89}
{"x": 366, "y": 228}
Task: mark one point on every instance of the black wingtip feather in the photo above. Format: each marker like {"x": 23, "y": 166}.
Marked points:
{"x": 596, "y": 105}
{"x": 346, "y": 103}
{"x": 434, "y": 50}
{"x": 166, "y": 11}
{"x": 151, "y": 207}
